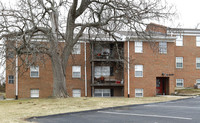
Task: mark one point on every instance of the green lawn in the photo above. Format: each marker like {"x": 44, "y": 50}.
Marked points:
{"x": 15, "y": 111}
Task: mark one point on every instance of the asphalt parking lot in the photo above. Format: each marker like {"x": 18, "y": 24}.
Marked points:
{"x": 180, "y": 111}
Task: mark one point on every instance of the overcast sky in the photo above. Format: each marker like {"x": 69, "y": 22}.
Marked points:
{"x": 187, "y": 10}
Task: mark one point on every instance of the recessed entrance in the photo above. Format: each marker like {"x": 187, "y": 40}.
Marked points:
{"x": 162, "y": 85}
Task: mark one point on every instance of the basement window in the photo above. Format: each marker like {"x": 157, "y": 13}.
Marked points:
{"x": 102, "y": 93}
{"x": 179, "y": 82}
{"x": 34, "y": 71}
{"x": 76, "y": 92}
{"x": 34, "y": 93}
{"x": 11, "y": 79}
{"x": 138, "y": 92}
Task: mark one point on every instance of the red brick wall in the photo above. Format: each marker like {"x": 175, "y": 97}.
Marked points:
{"x": 156, "y": 28}
{"x": 10, "y": 88}
{"x": 154, "y": 64}
{"x": 45, "y": 81}
{"x": 189, "y": 51}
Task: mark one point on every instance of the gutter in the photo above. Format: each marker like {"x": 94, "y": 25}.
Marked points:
{"x": 128, "y": 72}
{"x": 16, "y": 76}
{"x": 85, "y": 70}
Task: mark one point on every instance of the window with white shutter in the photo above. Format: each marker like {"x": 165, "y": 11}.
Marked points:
{"x": 34, "y": 71}
{"x": 11, "y": 79}
{"x": 198, "y": 63}
{"x": 198, "y": 41}
{"x": 138, "y": 70}
{"x": 179, "y": 83}
{"x": 76, "y": 71}
{"x": 138, "y": 47}
{"x": 179, "y": 40}
{"x": 163, "y": 47}
{"x": 179, "y": 62}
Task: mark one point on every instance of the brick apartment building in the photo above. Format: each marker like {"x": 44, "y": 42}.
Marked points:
{"x": 131, "y": 67}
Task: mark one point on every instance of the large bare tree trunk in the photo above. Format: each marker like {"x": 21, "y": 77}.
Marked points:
{"x": 59, "y": 78}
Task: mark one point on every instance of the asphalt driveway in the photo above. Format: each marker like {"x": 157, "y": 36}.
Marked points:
{"x": 180, "y": 111}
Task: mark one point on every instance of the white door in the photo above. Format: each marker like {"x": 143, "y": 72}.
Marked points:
{"x": 76, "y": 92}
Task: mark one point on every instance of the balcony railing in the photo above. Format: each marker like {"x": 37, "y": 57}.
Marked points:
{"x": 107, "y": 82}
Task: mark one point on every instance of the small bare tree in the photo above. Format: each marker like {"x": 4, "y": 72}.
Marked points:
{"x": 41, "y": 26}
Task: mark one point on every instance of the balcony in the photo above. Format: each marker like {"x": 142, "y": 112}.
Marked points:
{"x": 107, "y": 52}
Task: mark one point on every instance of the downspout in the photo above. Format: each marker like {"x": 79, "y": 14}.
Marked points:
{"x": 16, "y": 76}
{"x": 85, "y": 71}
{"x": 128, "y": 73}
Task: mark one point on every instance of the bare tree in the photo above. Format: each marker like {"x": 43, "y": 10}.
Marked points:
{"x": 41, "y": 26}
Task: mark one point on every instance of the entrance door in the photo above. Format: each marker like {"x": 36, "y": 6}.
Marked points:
{"x": 159, "y": 86}
{"x": 162, "y": 85}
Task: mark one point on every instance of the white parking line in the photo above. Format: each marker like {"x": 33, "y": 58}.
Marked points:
{"x": 146, "y": 115}
{"x": 164, "y": 106}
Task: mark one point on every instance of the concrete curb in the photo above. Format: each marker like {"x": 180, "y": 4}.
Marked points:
{"x": 95, "y": 110}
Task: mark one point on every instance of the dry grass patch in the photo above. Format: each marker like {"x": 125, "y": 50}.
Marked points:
{"x": 188, "y": 91}
{"x": 15, "y": 111}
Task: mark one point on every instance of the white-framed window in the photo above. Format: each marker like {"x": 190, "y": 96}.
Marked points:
{"x": 179, "y": 62}
{"x": 179, "y": 83}
{"x": 138, "y": 47}
{"x": 179, "y": 40}
{"x": 198, "y": 41}
{"x": 102, "y": 93}
{"x": 11, "y": 79}
{"x": 101, "y": 71}
{"x": 198, "y": 63}
{"x": 76, "y": 49}
{"x": 34, "y": 71}
{"x": 198, "y": 81}
{"x": 138, "y": 92}
{"x": 163, "y": 47}
{"x": 34, "y": 93}
{"x": 138, "y": 70}
{"x": 76, "y": 71}
{"x": 76, "y": 92}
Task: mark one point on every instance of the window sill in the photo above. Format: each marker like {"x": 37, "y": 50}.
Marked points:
{"x": 76, "y": 78}
{"x": 138, "y": 52}
{"x": 35, "y": 77}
